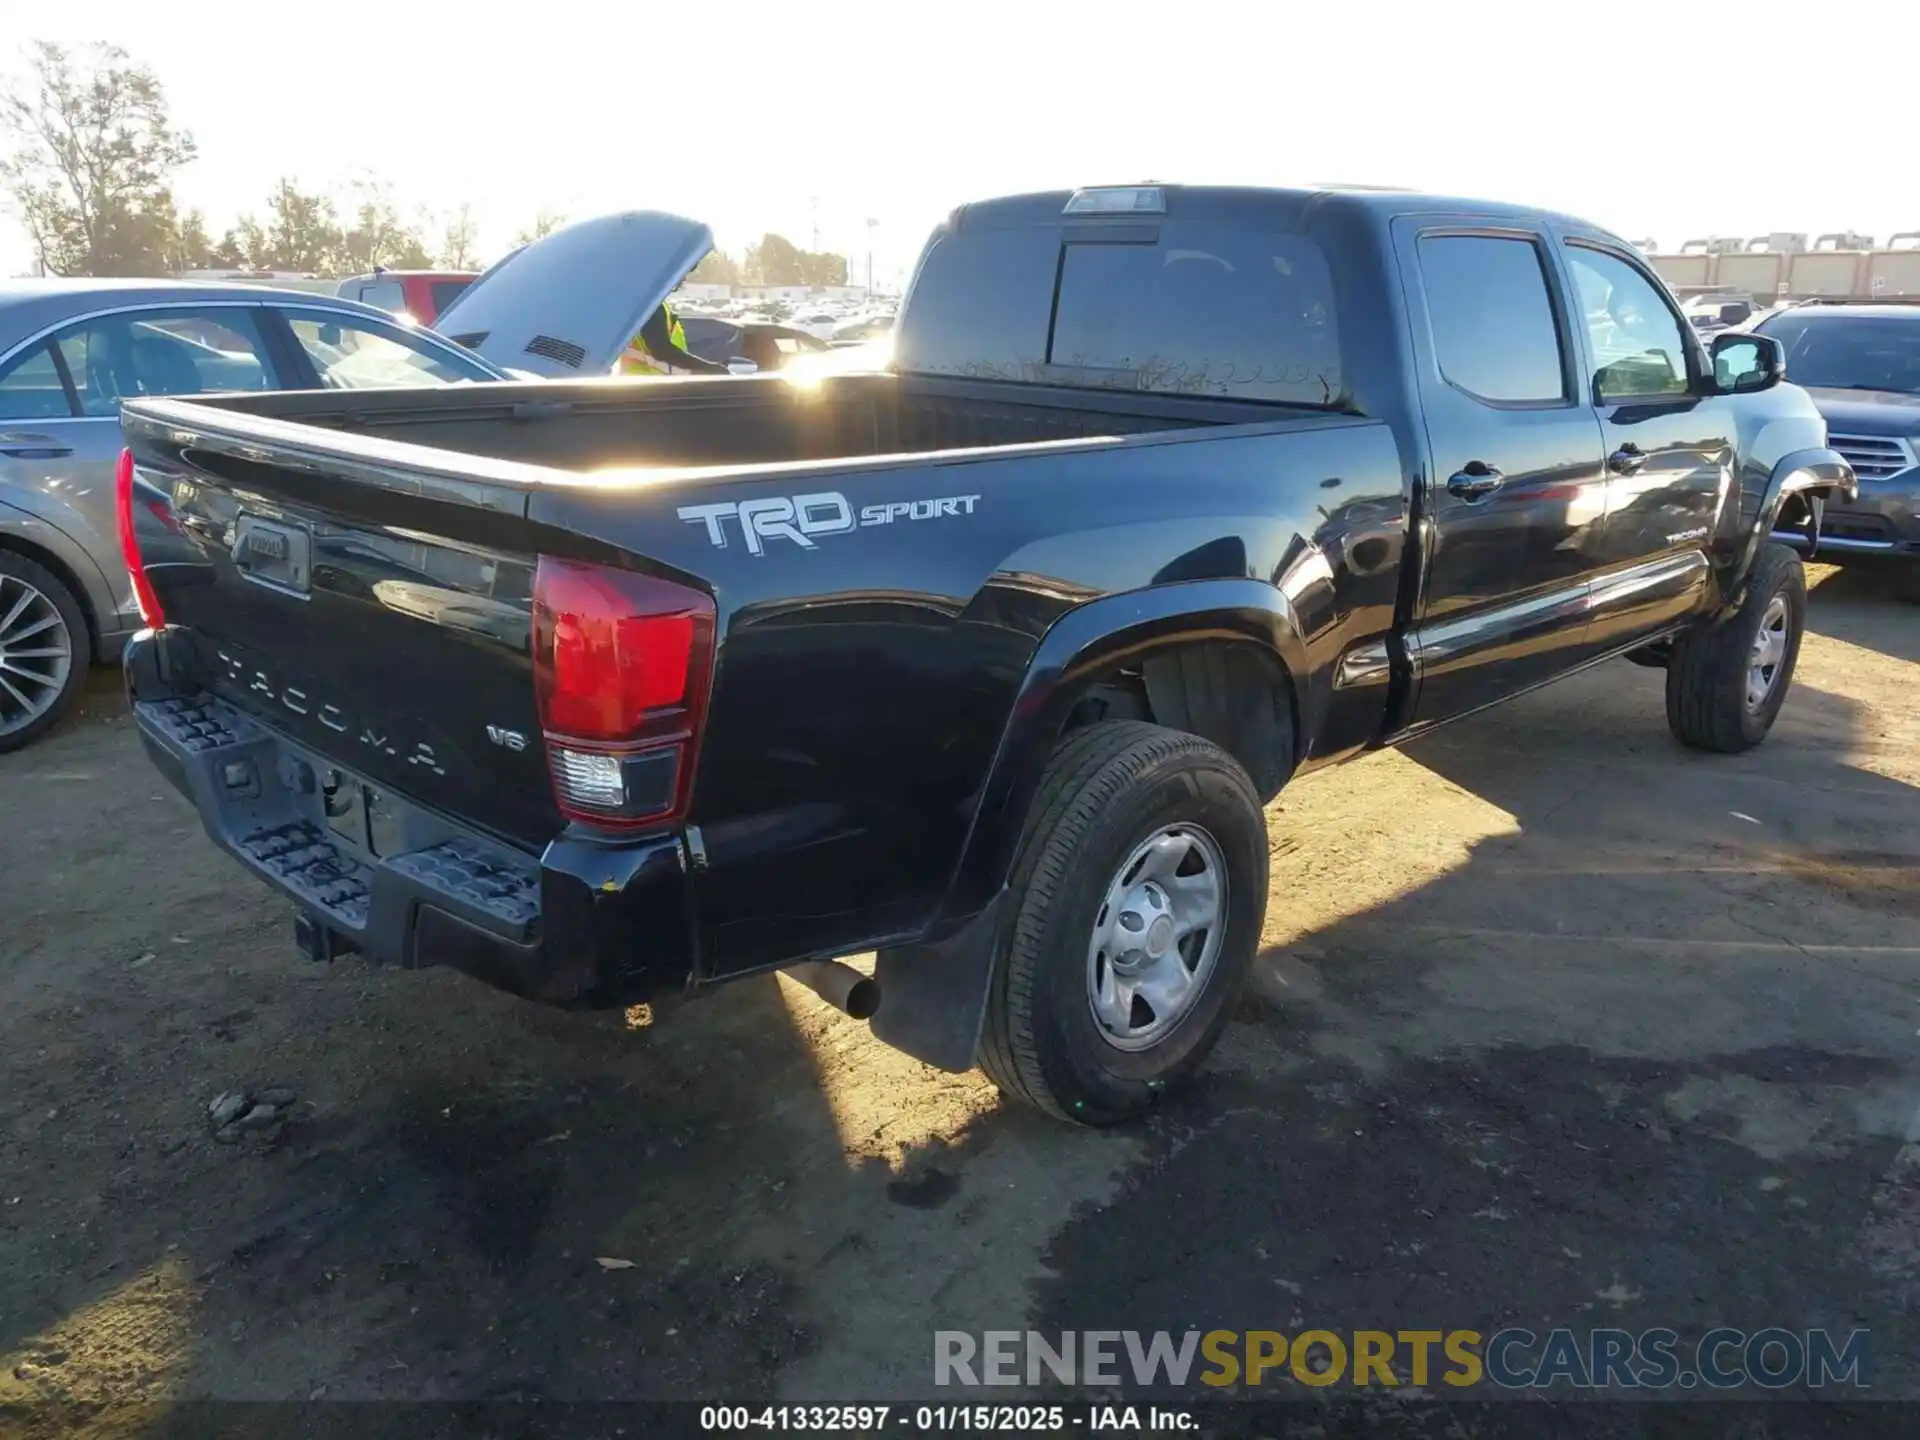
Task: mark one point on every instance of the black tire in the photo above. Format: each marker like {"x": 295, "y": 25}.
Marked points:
{"x": 1107, "y": 789}
{"x": 25, "y": 572}
{"x": 1707, "y": 692}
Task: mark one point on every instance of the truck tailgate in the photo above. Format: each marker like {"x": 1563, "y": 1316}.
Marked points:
{"x": 377, "y": 614}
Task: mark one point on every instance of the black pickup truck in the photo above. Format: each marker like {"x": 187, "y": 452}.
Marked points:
{"x": 602, "y": 691}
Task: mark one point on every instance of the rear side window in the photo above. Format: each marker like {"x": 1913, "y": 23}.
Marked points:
{"x": 1205, "y": 311}
{"x": 383, "y": 295}
{"x": 30, "y": 388}
{"x": 163, "y": 352}
{"x": 445, "y": 292}
{"x": 1494, "y": 334}
{"x": 980, "y": 306}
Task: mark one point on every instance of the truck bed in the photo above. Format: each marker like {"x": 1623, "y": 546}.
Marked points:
{"x": 598, "y": 425}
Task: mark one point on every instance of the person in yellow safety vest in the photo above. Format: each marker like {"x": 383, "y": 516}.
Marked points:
{"x": 661, "y": 349}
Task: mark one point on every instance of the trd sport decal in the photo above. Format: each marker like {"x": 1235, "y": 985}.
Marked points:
{"x": 801, "y": 518}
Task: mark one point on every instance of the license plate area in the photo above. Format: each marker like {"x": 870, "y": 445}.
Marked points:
{"x": 361, "y": 815}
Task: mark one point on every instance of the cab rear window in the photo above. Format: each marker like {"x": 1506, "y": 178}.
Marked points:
{"x": 1198, "y": 310}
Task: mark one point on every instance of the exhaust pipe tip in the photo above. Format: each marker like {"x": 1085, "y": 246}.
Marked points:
{"x": 841, "y": 986}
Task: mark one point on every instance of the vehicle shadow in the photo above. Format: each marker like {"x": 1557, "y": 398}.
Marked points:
{"x": 1873, "y": 606}
{"x": 551, "y": 1206}
{"x": 477, "y": 1199}
{"x": 1628, "y": 1043}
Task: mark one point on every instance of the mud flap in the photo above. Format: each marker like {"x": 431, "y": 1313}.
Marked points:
{"x": 933, "y": 998}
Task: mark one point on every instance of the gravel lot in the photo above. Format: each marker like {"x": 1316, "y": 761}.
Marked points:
{"x": 1555, "y": 1024}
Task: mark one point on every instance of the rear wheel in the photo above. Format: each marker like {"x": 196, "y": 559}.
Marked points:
{"x": 44, "y": 651}
{"x": 1140, "y": 890}
{"x": 1728, "y": 679}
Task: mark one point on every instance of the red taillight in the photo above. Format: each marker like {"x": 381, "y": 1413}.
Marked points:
{"x": 622, "y": 664}
{"x": 151, "y": 615}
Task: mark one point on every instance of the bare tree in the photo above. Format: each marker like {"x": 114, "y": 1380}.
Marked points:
{"x": 545, "y": 222}
{"x": 93, "y": 146}
{"x": 457, "y": 252}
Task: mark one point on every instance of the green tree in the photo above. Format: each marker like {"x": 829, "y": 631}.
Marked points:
{"x": 822, "y": 267}
{"x": 773, "y": 260}
{"x": 301, "y": 232}
{"x": 194, "y": 246}
{"x": 378, "y": 236}
{"x": 150, "y": 238}
{"x": 92, "y": 149}
{"x": 718, "y": 268}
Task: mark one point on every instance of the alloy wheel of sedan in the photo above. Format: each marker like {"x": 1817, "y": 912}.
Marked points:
{"x": 36, "y": 653}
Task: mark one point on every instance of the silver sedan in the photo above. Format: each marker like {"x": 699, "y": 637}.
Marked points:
{"x": 70, "y": 352}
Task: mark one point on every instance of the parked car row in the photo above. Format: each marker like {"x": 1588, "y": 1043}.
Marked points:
{"x": 1861, "y": 366}
{"x": 420, "y": 296}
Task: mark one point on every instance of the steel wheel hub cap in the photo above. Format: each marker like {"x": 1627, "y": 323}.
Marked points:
{"x": 1157, "y": 936}
{"x": 1768, "y": 654}
{"x": 36, "y": 654}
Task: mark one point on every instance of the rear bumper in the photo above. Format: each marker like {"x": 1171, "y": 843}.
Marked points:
{"x": 587, "y": 923}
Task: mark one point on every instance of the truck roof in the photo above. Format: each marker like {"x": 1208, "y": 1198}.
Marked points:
{"x": 1244, "y": 206}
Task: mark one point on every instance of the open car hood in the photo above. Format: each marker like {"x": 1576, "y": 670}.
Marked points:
{"x": 567, "y": 304}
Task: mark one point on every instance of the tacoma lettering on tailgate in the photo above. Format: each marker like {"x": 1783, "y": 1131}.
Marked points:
{"x": 256, "y": 682}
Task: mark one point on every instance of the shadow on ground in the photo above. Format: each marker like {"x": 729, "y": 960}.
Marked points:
{"x": 1558, "y": 1025}
{"x": 1874, "y": 606}
{"x": 1643, "y": 1059}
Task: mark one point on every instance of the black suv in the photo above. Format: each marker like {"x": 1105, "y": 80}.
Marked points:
{"x": 1861, "y": 365}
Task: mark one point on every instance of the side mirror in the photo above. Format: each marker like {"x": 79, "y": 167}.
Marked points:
{"x": 740, "y": 365}
{"x": 329, "y": 335}
{"x": 1736, "y": 314}
{"x": 1743, "y": 363}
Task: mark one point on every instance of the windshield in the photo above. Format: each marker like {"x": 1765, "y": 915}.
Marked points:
{"x": 1850, "y": 352}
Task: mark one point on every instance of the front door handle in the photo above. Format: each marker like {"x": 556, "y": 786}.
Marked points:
{"x": 33, "y": 447}
{"x": 1627, "y": 459}
{"x": 1475, "y": 481}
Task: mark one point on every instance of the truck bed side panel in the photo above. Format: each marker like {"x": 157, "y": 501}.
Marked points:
{"x": 866, "y": 669}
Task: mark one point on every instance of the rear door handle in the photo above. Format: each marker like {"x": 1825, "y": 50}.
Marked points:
{"x": 1475, "y": 481}
{"x": 33, "y": 447}
{"x": 1627, "y": 459}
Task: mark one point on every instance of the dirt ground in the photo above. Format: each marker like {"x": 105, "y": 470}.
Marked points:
{"x": 1555, "y": 1023}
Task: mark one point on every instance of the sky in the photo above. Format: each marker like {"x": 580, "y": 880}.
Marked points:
{"x": 1666, "y": 121}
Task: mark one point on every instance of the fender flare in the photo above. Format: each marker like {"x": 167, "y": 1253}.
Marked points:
{"x": 1116, "y": 629}
{"x": 934, "y": 991}
{"x": 1800, "y": 472}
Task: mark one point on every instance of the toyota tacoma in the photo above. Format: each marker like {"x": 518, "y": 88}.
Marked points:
{"x": 602, "y": 690}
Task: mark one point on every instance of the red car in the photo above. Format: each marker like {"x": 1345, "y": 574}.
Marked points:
{"x": 421, "y": 294}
